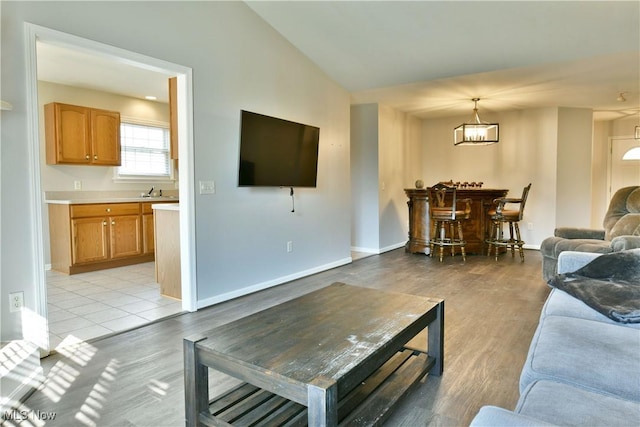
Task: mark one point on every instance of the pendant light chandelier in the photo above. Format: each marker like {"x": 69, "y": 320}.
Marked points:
{"x": 476, "y": 132}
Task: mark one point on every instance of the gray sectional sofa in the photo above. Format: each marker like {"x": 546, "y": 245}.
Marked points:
{"x": 583, "y": 368}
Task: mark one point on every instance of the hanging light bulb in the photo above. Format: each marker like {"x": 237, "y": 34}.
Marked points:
{"x": 476, "y": 132}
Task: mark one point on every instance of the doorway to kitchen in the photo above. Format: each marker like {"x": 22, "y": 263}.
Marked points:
{"x": 138, "y": 280}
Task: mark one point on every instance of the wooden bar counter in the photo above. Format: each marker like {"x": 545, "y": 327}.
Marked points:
{"x": 475, "y": 230}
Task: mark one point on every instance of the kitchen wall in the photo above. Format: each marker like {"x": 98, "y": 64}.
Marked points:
{"x": 238, "y": 62}
{"x": 93, "y": 178}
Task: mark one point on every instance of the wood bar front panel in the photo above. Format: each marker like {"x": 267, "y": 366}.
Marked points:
{"x": 475, "y": 229}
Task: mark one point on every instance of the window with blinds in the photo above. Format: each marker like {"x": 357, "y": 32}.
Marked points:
{"x": 144, "y": 152}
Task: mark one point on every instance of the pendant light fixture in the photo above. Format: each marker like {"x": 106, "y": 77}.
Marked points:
{"x": 476, "y": 132}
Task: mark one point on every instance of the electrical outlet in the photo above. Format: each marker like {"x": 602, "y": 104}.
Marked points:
{"x": 207, "y": 187}
{"x": 77, "y": 185}
{"x": 289, "y": 246}
{"x": 530, "y": 226}
{"x": 16, "y": 301}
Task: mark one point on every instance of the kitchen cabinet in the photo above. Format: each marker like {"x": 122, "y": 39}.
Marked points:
{"x": 104, "y": 232}
{"x": 94, "y": 236}
{"x": 147, "y": 229}
{"x": 81, "y": 135}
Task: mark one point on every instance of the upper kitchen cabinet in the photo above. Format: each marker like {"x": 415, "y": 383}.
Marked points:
{"x": 81, "y": 135}
{"x": 173, "y": 116}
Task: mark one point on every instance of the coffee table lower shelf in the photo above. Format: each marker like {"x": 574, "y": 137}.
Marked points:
{"x": 368, "y": 404}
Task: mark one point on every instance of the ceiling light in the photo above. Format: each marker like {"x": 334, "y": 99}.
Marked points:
{"x": 476, "y": 132}
{"x": 637, "y": 136}
{"x": 150, "y": 97}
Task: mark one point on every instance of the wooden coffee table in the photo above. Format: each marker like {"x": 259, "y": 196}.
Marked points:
{"x": 336, "y": 355}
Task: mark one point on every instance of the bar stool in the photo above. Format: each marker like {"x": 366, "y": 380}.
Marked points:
{"x": 500, "y": 216}
{"x": 446, "y": 216}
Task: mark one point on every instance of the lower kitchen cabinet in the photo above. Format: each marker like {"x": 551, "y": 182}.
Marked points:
{"x": 87, "y": 237}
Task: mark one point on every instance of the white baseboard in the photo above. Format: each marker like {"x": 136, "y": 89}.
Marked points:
{"x": 392, "y": 247}
{"x": 378, "y": 251}
{"x": 270, "y": 283}
{"x": 365, "y": 250}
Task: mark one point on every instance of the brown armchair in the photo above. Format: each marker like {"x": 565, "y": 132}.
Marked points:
{"x": 621, "y": 231}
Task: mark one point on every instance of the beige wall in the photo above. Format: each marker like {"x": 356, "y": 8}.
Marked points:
{"x": 386, "y": 151}
{"x": 365, "y": 194}
{"x": 93, "y": 178}
{"x": 573, "y": 185}
{"x": 527, "y": 137}
{"x": 399, "y": 148}
{"x": 562, "y": 151}
{"x": 603, "y": 132}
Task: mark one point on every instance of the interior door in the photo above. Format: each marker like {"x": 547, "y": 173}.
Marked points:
{"x": 623, "y": 173}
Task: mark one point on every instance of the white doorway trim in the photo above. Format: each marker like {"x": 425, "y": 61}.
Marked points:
{"x": 34, "y": 33}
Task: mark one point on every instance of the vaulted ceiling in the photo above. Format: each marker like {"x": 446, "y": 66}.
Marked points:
{"x": 430, "y": 58}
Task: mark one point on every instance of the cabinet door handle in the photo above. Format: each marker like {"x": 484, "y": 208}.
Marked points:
{"x": 113, "y": 223}
{"x": 95, "y": 157}
{"x": 108, "y": 209}
{"x": 86, "y": 157}
{"x": 104, "y": 223}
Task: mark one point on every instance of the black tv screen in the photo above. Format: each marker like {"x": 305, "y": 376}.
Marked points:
{"x": 276, "y": 152}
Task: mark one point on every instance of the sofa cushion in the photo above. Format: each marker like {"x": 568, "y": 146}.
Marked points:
{"x": 609, "y": 284}
{"x": 595, "y": 355}
{"x": 633, "y": 201}
{"x": 619, "y": 207}
{"x": 568, "y": 405}
{"x": 493, "y": 416}
{"x": 560, "y": 303}
{"x": 570, "y": 261}
{"x": 553, "y": 246}
{"x": 628, "y": 225}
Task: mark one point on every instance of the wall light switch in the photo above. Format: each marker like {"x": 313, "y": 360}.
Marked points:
{"x": 207, "y": 187}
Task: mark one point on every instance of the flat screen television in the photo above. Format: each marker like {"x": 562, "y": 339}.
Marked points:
{"x": 276, "y": 152}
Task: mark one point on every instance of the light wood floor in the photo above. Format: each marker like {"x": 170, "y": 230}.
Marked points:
{"x": 491, "y": 311}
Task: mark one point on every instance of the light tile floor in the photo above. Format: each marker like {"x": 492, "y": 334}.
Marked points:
{"x": 90, "y": 305}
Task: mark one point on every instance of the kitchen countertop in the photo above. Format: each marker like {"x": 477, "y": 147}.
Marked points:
{"x": 166, "y": 207}
{"x": 112, "y": 200}
{"x": 86, "y": 197}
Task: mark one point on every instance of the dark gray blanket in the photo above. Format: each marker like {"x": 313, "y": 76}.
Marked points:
{"x": 609, "y": 284}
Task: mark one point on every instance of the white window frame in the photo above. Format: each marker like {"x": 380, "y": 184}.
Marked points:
{"x": 145, "y": 178}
